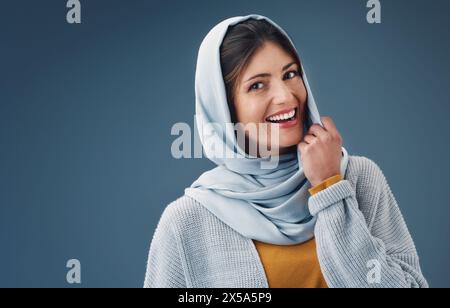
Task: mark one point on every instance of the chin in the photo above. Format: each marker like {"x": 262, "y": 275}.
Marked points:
{"x": 287, "y": 146}
{"x": 288, "y": 141}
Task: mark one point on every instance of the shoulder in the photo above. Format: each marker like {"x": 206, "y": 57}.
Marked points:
{"x": 182, "y": 206}
{"x": 374, "y": 196}
{"x": 363, "y": 164}
{"x": 184, "y": 214}
{"x": 363, "y": 171}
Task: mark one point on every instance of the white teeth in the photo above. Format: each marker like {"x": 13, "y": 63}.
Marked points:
{"x": 282, "y": 116}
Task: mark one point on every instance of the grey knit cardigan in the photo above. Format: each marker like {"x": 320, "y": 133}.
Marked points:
{"x": 362, "y": 240}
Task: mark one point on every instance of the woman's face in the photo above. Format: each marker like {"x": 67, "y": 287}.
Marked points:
{"x": 270, "y": 90}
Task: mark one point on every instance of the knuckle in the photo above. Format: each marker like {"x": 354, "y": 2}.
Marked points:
{"x": 326, "y": 138}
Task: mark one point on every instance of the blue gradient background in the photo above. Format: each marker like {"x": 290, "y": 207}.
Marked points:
{"x": 86, "y": 112}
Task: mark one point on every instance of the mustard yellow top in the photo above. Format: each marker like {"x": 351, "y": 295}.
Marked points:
{"x": 294, "y": 266}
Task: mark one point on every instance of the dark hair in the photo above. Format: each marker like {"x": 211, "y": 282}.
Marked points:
{"x": 238, "y": 46}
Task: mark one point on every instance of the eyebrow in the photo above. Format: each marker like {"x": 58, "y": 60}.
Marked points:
{"x": 268, "y": 75}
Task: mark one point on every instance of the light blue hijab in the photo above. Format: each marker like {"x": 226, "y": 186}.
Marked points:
{"x": 268, "y": 205}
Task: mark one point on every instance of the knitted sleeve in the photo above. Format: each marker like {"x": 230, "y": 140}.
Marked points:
{"x": 351, "y": 253}
{"x": 164, "y": 265}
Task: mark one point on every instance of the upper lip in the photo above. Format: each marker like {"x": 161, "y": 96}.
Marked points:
{"x": 281, "y": 112}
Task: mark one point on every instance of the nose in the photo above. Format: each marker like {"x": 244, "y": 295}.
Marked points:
{"x": 281, "y": 93}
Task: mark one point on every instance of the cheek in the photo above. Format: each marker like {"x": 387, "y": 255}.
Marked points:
{"x": 303, "y": 93}
{"x": 252, "y": 111}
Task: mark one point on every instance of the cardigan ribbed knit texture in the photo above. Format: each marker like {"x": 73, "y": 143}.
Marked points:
{"x": 362, "y": 240}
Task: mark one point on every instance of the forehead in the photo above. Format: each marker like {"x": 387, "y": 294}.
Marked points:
{"x": 270, "y": 58}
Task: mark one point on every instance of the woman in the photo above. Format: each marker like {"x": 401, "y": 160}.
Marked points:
{"x": 317, "y": 218}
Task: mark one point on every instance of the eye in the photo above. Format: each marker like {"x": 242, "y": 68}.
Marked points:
{"x": 291, "y": 74}
{"x": 255, "y": 86}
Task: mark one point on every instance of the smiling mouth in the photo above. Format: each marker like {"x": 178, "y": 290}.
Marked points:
{"x": 282, "y": 118}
